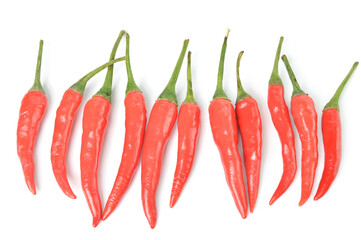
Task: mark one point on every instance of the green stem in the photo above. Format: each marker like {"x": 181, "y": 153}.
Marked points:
{"x": 333, "y": 103}
{"x": 79, "y": 86}
{"x": 296, "y": 88}
{"x": 131, "y": 85}
{"x": 275, "y": 78}
{"x": 189, "y": 97}
{"x": 37, "y": 84}
{"x": 219, "y": 93}
{"x": 169, "y": 91}
{"x": 106, "y": 90}
{"x": 241, "y": 93}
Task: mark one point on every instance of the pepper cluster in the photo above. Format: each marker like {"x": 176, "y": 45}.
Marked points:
{"x": 223, "y": 118}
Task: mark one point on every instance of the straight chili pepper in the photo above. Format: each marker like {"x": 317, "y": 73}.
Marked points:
{"x": 188, "y": 129}
{"x": 305, "y": 118}
{"x": 250, "y": 125}
{"x": 331, "y": 132}
{"x": 160, "y": 125}
{"x": 95, "y": 121}
{"x": 135, "y": 121}
{"x": 222, "y": 117}
{"x": 282, "y": 122}
{"x": 64, "y": 119}
{"x": 31, "y": 113}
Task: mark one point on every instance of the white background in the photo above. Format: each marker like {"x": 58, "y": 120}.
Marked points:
{"x": 322, "y": 41}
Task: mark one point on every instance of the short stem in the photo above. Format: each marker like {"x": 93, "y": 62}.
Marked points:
{"x": 189, "y": 97}
{"x": 219, "y": 93}
{"x": 169, "y": 91}
{"x": 333, "y": 103}
{"x": 275, "y": 78}
{"x": 79, "y": 86}
{"x": 296, "y": 88}
{"x": 37, "y": 84}
{"x": 241, "y": 93}
{"x": 131, "y": 85}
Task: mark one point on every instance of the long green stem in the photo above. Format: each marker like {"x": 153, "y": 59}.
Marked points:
{"x": 131, "y": 85}
{"x": 219, "y": 93}
{"x": 296, "y": 88}
{"x": 189, "y": 97}
{"x": 169, "y": 91}
{"x": 275, "y": 78}
{"x": 79, "y": 86}
{"x": 37, "y": 84}
{"x": 333, "y": 103}
{"x": 241, "y": 93}
{"x": 106, "y": 90}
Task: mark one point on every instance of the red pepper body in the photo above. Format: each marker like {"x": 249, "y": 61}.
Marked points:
{"x": 305, "y": 118}
{"x": 95, "y": 121}
{"x": 31, "y": 113}
{"x": 160, "y": 125}
{"x": 135, "y": 121}
{"x": 250, "y": 125}
{"x": 282, "y": 122}
{"x": 62, "y": 129}
{"x": 222, "y": 117}
{"x": 331, "y": 131}
{"x": 188, "y": 129}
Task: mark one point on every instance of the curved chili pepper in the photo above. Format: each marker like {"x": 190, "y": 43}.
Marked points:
{"x": 222, "y": 117}
{"x": 64, "y": 119}
{"x": 282, "y": 122}
{"x": 188, "y": 129}
{"x": 160, "y": 125}
{"x": 135, "y": 121}
{"x": 250, "y": 125}
{"x": 305, "y": 118}
{"x": 31, "y": 113}
{"x": 95, "y": 121}
{"x": 331, "y": 132}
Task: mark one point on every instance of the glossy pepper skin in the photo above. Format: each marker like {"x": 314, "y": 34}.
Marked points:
{"x": 250, "y": 126}
{"x": 188, "y": 130}
{"x": 64, "y": 120}
{"x": 135, "y": 121}
{"x": 305, "y": 118}
{"x": 160, "y": 124}
{"x": 222, "y": 118}
{"x": 331, "y": 132}
{"x": 32, "y": 109}
{"x": 282, "y": 122}
{"x": 95, "y": 121}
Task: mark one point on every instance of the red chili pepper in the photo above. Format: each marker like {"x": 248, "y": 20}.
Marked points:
{"x": 95, "y": 121}
{"x": 160, "y": 125}
{"x": 135, "y": 121}
{"x": 282, "y": 122}
{"x": 222, "y": 117}
{"x": 305, "y": 118}
{"x": 250, "y": 125}
{"x": 31, "y": 113}
{"x": 188, "y": 129}
{"x": 331, "y": 132}
{"x": 63, "y": 124}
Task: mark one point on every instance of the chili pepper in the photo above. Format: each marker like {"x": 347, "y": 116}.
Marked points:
{"x": 31, "y": 113}
{"x": 188, "y": 129}
{"x": 282, "y": 122}
{"x": 95, "y": 121}
{"x": 305, "y": 118}
{"x": 64, "y": 119}
{"x": 331, "y": 132}
{"x": 135, "y": 121}
{"x": 160, "y": 125}
{"x": 250, "y": 125}
{"x": 222, "y": 117}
